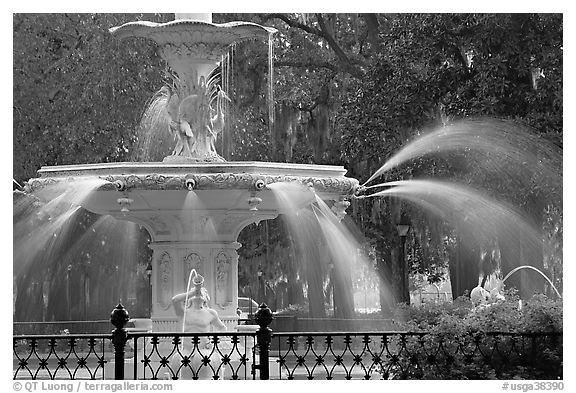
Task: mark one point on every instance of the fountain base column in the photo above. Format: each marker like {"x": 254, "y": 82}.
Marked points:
{"x": 217, "y": 262}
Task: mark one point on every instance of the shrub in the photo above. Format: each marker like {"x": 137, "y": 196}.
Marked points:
{"x": 300, "y": 310}
{"x": 539, "y": 314}
{"x": 500, "y": 340}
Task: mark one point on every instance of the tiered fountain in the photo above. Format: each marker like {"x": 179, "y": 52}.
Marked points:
{"x": 194, "y": 203}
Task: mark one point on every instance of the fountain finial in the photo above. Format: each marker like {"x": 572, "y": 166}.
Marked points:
{"x": 193, "y": 47}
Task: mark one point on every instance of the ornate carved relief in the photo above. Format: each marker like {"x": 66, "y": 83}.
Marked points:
{"x": 212, "y": 181}
{"x": 192, "y": 261}
{"x": 246, "y": 181}
{"x": 35, "y": 184}
{"x": 223, "y": 283}
{"x": 165, "y": 283}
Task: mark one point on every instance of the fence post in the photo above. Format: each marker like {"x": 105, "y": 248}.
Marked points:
{"x": 119, "y": 319}
{"x": 263, "y": 318}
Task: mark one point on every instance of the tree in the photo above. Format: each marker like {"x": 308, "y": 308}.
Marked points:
{"x": 78, "y": 93}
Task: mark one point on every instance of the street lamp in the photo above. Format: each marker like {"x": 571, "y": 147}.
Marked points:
{"x": 403, "y": 230}
{"x": 148, "y": 272}
{"x": 68, "y": 294}
{"x": 260, "y": 285}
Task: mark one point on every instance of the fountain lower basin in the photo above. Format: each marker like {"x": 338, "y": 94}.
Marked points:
{"x": 194, "y": 213}
{"x": 219, "y": 186}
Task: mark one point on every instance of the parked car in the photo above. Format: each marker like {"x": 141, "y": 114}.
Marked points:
{"x": 247, "y": 307}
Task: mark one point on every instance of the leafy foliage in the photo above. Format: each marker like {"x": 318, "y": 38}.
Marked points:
{"x": 539, "y": 314}
{"x": 78, "y": 93}
{"x": 466, "y": 335}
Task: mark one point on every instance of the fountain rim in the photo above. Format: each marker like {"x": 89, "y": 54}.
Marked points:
{"x": 248, "y": 167}
{"x": 239, "y": 181}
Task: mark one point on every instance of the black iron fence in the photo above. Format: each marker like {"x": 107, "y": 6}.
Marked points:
{"x": 191, "y": 356}
{"x": 264, "y": 354}
{"x": 62, "y": 356}
{"x": 405, "y": 355}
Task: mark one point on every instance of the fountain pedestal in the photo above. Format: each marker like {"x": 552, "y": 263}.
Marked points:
{"x": 198, "y": 232}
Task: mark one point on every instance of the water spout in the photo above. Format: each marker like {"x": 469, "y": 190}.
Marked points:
{"x": 190, "y": 184}
{"x": 259, "y": 185}
{"x": 120, "y": 185}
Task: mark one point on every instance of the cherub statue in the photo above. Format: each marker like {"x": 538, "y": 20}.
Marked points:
{"x": 180, "y": 113}
{"x": 481, "y": 297}
{"x": 193, "y": 121}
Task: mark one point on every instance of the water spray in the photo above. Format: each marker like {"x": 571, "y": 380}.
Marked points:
{"x": 198, "y": 281}
{"x": 18, "y": 185}
{"x": 42, "y": 217}
{"x": 538, "y": 271}
{"x": 190, "y": 278}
